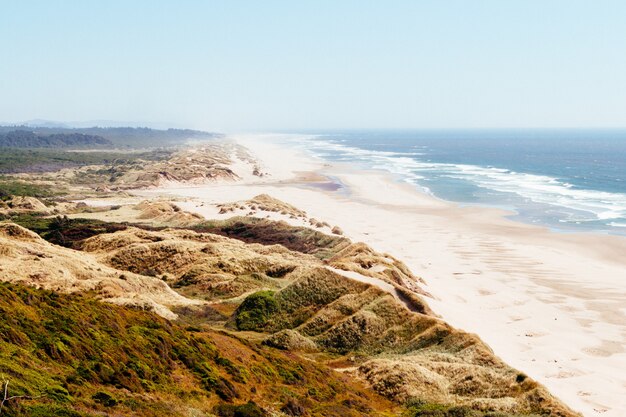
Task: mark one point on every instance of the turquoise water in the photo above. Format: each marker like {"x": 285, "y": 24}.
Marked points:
{"x": 568, "y": 180}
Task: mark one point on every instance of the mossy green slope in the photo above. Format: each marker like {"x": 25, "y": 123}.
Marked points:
{"x": 77, "y": 357}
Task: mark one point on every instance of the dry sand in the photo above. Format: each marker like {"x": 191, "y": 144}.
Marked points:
{"x": 552, "y": 305}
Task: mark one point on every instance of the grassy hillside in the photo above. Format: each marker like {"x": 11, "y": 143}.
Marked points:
{"x": 73, "y": 356}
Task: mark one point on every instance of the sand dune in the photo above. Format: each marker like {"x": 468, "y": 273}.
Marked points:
{"x": 553, "y": 305}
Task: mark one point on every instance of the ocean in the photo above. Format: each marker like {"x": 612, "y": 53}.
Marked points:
{"x": 567, "y": 180}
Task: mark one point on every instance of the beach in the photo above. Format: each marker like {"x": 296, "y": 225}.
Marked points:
{"x": 552, "y": 305}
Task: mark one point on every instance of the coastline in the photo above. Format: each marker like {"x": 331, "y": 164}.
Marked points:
{"x": 549, "y": 304}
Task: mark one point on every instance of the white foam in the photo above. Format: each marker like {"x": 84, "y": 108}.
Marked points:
{"x": 598, "y": 205}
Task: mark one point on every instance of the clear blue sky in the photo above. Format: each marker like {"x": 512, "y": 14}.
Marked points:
{"x": 241, "y": 65}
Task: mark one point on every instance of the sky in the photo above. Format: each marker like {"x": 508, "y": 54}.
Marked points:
{"x": 286, "y": 65}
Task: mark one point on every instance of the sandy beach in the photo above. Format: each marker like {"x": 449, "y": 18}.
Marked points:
{"x": 550, "y": 304}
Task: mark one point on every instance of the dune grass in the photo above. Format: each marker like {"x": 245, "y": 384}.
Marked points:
{"x": 269, "y": 232}
{"x": 75, "y": 356}
{"x": 10, "y": 187}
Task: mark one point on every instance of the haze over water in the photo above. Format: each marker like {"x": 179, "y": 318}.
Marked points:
{"x": 568, "y": 180}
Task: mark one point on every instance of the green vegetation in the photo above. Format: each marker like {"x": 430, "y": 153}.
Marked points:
{"x": 64, "y": 231}
{"x": 81, "y": 343}
{"x": 138, "y": 137}
{"x": 256, "y": 310}
{"x": 266, "y": 311}
{"x": 10, "y": 187}
{"x": 75, "y": 356}
{"x": 104, "y": 398}
{"x": 28, "y": 139}
{"x": 127, "y": 137}
{"x": 244, "y": 410}
{"x": 268, "y": 232}
{"x": 48, "y": 160}
{"x": 418, "y": 408}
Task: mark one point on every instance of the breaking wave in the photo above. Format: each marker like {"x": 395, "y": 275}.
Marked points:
{"x": 586, "y": 205}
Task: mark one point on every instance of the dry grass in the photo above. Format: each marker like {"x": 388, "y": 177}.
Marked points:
{"x": 197, "y": 264}
{"x": 206, "y": 163}
{"x": 319, "y": 310}
{"x": 402, "y": 354}
{"x": 165, "y": 213}
{"x": 78, "y": 357}
{"x": 359, "y": 257}
{"x": 263, "y": 202}
{"x": 30, "y": 260}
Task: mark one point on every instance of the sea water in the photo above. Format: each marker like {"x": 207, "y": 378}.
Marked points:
{"x": 568, "y": 180}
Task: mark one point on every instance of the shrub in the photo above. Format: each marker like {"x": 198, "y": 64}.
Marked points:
{"x": 243, "y": 410}
{"x": 104, "y": 398}
{"x": 293, "y": 408}
{"x": 58, "y": 394}
{"x": 50, "y": 410}
{"x": 256, "y": 310}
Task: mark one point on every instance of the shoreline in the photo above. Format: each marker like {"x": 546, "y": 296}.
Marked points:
{"x": 531, "y": 212}
{"x": 550, "y": 304}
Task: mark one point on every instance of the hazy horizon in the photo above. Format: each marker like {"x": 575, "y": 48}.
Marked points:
{"x": 280, "y": 66}
{"x": 60, "y": 124}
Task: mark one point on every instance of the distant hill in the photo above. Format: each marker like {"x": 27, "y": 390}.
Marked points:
{"x": 120, "y": 137}
{"x": 44, "y": 123}
{"x": 29, "y": 139}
